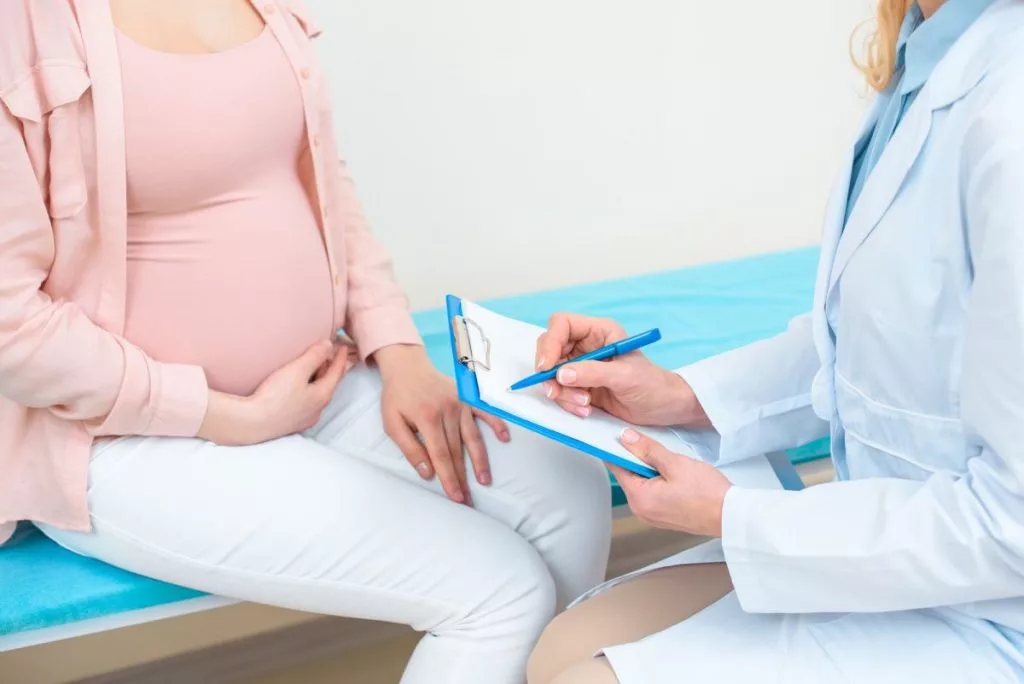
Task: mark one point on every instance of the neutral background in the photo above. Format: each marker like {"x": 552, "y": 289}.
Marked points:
{"x": 511, "y": 146}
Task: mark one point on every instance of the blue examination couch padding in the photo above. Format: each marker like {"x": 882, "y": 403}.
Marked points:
{"x": 701, "y": 311}
{"x": 43, "y": 585}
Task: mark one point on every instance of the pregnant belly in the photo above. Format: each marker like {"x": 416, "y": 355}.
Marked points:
{"x": 240, "y": 296}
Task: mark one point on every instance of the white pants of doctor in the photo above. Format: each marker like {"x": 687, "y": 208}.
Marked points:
{"x": 337, "y": 522}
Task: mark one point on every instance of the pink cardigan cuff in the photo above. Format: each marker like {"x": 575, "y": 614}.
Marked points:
{"x": 156, "y": 399}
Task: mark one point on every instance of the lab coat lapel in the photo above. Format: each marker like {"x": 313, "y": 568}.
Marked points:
{"x": 883, "y": 183}
{"x": 960, "y": 70}
{"x": 835, "y": 212}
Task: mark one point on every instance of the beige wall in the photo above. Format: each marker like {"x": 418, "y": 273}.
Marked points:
{"x": 577, "y": 139}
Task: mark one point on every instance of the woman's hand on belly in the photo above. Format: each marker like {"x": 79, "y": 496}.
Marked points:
{"x": 417, "y": 399}
{"x": 289, "y": 401}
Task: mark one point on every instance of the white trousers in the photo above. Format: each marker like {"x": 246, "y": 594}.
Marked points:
{"x": 335, "y": 521}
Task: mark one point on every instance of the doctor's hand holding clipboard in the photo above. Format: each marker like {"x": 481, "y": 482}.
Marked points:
{"x": 688, "y": 495}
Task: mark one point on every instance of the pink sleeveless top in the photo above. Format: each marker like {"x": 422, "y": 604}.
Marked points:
{"x": 227, "y": 268}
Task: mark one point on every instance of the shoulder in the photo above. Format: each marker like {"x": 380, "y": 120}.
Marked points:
{"x": 996, "y": 119}
{"x": 991, "y": 169}
{"x": 41, "y": 55}
{"x": 300, "y": 10}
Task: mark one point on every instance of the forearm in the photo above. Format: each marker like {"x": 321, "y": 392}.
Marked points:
{"x": 53, "y": 356}
{"x": 873, "y": 545}
{"x": 229, "y": 420}
{"x": 758, "y": 397}
{"x": 393, "y": 359}
{"x": 684, "y": 407}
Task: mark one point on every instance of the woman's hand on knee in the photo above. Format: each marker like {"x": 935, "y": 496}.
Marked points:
{"x": 424, "y": 417}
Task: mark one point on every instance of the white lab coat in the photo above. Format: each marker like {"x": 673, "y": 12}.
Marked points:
{"x": 912, "y": 567}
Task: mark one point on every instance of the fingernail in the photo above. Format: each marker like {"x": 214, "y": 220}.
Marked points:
{"x": 424, "y": 468}
{"x": 581, "y": 399}
{"x": 504, "y": 437}
{"x": 549, "y": 391}
{"x": 567, "y": 376}
{"x": 540, "y": 363}
{"x": 458, "y": 496}
{"x": 485, "y": 478}
{"x": 629, "y": 436}
{"x": 583, "y": 411}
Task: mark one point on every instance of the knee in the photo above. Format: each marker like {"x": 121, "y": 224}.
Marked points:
{"x": 558, "y": 648}
{"x": 590, "y": 671}
{"x": 510, "y": 594}
{"x": 590, "y": 473}
{"x": 528, "y": 594}
{"x": 586, "y": 493}
{"x": 531, "y": 591}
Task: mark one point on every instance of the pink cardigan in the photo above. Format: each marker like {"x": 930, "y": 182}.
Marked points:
{"x": 66, "y": 373}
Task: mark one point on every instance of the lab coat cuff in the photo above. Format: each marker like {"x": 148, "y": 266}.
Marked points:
{"x": 732, "y": 444}
{"x": 742, "y": 544}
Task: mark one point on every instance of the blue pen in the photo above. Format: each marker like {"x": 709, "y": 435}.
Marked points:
{"x": 615, "y": 349}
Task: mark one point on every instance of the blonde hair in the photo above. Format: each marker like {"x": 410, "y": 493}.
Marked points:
{"x": 879, "y": 54}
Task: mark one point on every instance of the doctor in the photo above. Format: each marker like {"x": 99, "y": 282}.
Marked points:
{"x": 911, "y": 566}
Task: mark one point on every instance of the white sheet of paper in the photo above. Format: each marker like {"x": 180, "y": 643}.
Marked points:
{"x": 512, "y": 351}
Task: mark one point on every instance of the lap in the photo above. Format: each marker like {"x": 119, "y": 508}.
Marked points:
{"x": 338, "y": 505}
{"x": 684, "y": 624}
{"x": 592, "y": 671}
{"x": 529, "y": 472}
{"x": 724, "y": 643}
{"x": 627, "y": 612}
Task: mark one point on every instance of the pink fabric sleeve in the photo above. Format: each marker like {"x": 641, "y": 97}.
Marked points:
{"x": 52, "y": 355}
{"x": 377, "y": 309}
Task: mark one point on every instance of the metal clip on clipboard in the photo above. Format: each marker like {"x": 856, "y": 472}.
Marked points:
{"x": 464, "y": 347}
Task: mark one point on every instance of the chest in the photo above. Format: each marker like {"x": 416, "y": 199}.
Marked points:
{"x": 191, "y": 139}
{"x": 187, "y": 26}
{"x": 896, "y": 312}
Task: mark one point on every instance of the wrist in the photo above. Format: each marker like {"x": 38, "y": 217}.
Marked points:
{"x": 686, "y": 408}
{"x": 230, "y": 420}
{"x": 393, "y": 359}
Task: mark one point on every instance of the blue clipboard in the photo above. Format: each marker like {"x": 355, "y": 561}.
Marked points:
{"x": 469, "y": 393}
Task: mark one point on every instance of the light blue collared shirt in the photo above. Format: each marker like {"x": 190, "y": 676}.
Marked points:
{"x": 922, "y": 45}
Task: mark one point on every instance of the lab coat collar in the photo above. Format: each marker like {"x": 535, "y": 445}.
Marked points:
{"x": 957, "y": 74}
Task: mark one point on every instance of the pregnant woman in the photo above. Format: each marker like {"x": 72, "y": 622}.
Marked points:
{"x": 178, "y": 245}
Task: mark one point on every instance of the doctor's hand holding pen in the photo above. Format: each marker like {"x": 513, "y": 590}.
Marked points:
{"x": 688, "y": 495}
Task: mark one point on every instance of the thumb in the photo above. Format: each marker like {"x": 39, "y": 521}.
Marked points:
{"x": 589, "y": 374}
{"x": 647, "y": 450}
{"x": 314, "y": 357}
